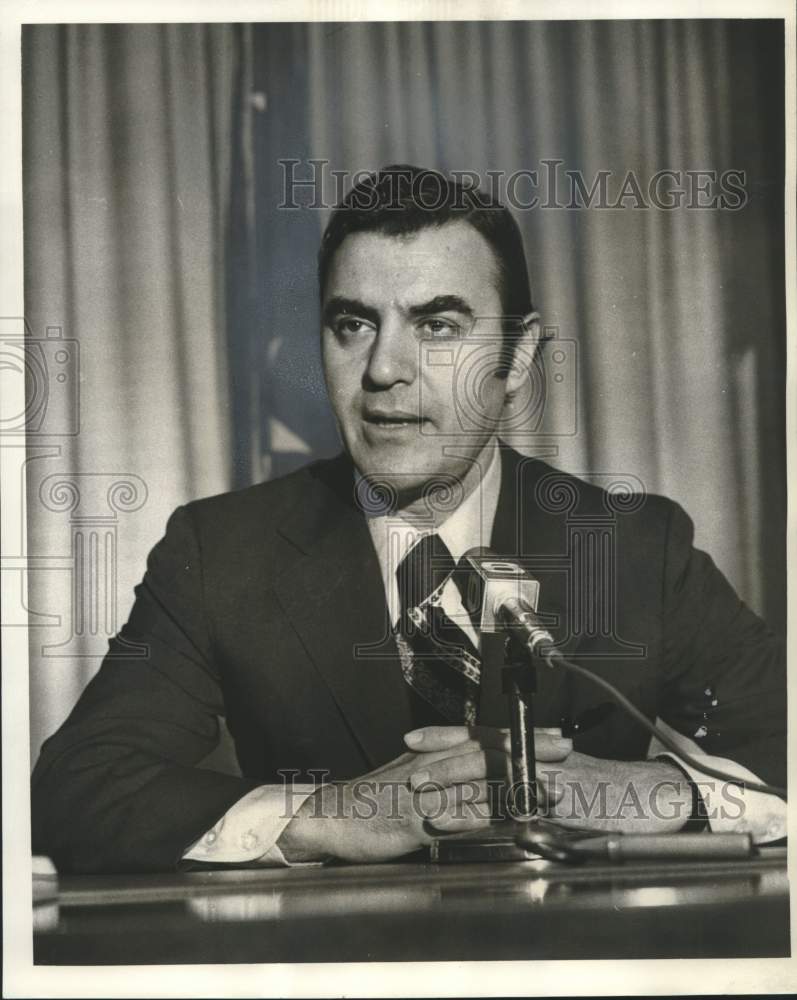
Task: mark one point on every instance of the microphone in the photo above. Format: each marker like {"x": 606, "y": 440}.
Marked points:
{"x": 500, "y": 596}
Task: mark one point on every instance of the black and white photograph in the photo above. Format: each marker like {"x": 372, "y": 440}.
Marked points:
{"x": 394, "y": 469}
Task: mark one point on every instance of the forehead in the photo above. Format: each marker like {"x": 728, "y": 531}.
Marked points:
{"x": 452, "y": 259}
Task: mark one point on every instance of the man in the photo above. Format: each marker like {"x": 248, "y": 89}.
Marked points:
{"x": 319, "y": 613}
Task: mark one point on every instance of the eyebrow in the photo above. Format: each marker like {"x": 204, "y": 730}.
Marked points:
{"x": 442, "y": 303}
{"x": 339, "y": 306}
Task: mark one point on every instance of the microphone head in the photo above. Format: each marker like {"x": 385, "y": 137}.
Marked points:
{"x": 488, "y": 581}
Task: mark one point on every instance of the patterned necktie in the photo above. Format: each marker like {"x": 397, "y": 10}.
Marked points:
{"x": 438, "y": 660}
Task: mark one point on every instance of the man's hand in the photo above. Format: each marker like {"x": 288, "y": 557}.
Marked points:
{"x": 574, "y": 789}
{"x": 615, "y": 795}
{"x": 407, "y": 803}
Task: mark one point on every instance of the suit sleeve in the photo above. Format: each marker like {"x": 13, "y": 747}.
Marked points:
{"x": 117, "y": 788}
{"x": 724, "y": 670}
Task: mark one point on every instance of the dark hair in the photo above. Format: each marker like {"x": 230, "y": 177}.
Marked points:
{"x": 402, "y": 199}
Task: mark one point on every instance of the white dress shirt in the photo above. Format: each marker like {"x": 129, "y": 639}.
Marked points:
{"x": 249, "y": 830}
{"x": 469, "y": 526}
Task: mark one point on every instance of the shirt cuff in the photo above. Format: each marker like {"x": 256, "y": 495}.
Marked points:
{"x": 248, "y": 832}
{"x": 729, "y": 808}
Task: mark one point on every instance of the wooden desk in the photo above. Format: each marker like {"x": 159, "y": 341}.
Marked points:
{"x": 412, "y": 911}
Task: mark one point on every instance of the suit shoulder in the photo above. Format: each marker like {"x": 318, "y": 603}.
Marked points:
{"x": 612, "y": 495}
{"x": 266, "y": 500}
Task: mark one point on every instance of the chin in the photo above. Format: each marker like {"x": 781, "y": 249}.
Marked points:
{"x": 400, "y": 472}
{"x": 400, "y": 461}
{"x": 408, "y": 475}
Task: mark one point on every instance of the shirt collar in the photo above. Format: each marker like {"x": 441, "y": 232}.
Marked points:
{"x": 469, "y": 525}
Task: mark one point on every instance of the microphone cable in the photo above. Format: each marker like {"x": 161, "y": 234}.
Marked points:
{"x": 552, "y": 657}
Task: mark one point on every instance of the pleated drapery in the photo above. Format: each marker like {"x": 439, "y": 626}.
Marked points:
{"x": 127, "y": 140}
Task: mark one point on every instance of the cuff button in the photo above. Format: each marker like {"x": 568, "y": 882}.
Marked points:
{"x": 248, "y": 841}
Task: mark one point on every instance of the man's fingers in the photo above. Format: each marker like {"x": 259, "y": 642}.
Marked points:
{"x": 452, "y": 768}
{"x": 432, "y": 802}
{"x": 430, "y": 739}
{"x": 460, "y": 768}
{"x": 551, "y": 786}
{"x": 549, "y": 748}
{"x": 421, "y": 762}
{"x": 549, "y": 744}
{"x": 456, "y": 821}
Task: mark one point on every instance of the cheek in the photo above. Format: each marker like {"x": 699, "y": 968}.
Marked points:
{"x": 341, "y": 374}
{"x": 494, "y": 393}
{"x": 468, "y": 388}
{"x": 342, "y": 392}
{"x": 329, "y": 355}
{"x": 440, "y": 381}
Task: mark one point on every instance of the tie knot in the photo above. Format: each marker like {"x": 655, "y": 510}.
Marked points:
{"x": 423, "y": 570}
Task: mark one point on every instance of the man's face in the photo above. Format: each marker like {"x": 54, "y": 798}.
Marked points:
{"x": 388, "y": 300}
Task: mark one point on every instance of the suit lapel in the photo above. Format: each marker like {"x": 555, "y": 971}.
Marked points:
{"x": 334, "y": 598}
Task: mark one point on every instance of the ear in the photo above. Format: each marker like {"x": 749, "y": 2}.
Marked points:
{"x": 526, "y": 347}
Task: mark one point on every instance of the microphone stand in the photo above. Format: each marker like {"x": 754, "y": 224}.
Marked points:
{"x": 519, "y": 683}
{"x": 530, "y": 831}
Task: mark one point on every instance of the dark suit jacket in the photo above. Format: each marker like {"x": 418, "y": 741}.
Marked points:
{"x": 267, "y": 606}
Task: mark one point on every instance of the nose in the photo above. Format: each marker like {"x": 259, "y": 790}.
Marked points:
{"x": 394, "y": 355}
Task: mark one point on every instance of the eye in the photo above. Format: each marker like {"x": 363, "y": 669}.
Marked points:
{"x": 350, "y": 326}
{"x": 440, "y": 328}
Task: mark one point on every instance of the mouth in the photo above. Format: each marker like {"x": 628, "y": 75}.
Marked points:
{"x": 393, "y": 420}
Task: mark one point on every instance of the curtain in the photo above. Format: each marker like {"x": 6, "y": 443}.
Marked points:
{"x": 154, "y": 238}
{"x": 127, "y": 139}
